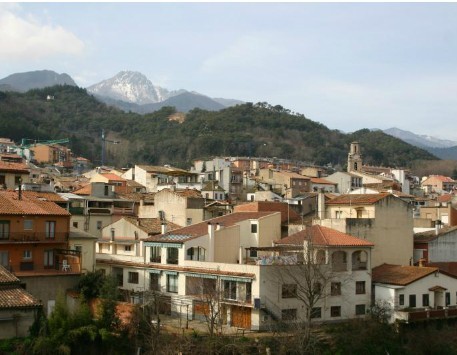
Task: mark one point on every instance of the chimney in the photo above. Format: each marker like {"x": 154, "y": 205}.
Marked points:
{"x": 210, "y": 241}
{"x": 164, "y": 228}
{"x": 421, "y": 262}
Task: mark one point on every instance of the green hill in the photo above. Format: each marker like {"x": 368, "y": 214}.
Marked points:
{"x": 245, "y": 130}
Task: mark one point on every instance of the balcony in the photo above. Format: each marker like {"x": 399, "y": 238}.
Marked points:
{"x": 34, "y": 237}
{"x": 64, "y": 264}
{"x": 77, "y": 211}
{"x": 420, "y": 314}
{"x": 123, "y": 211}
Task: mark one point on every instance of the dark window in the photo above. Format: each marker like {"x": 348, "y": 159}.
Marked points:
{"x": 4, "y": 259}
{"x": 254, "y": 228}
{"x": 317, "y": 287}
{"x": 360, "y": 309}
{"x": 4, "y": 229}
{"x": 335, "y": 289}
{"x": 172, "y": 283}
{"x": 28, "y": 224}
{"x": 133, "y": 277}
{"x": 172, "y": 255}
{"x": 75, "y": 224}
{"x": 248, "y": 292}
{"x": 50, "y": 229}
{"x": 316, "y": 312}
{"x": 289, "y": 291}
{"x": 289, "y": 314}
{"x": 48, "y": 259}
{"x": 425, "y": 300}
{"x": 412, "y": 300}
{"x": 401, "y": 300}
{"x": 360, "y": 287}
{"x": 448, "y": 298}
{"x": 154, "y": 282}
{"x": 127, "y": 248}
{"x": 253, "y": 253}
{"x": 156, "y": 253}
{"x": 335, "y": 311}
{"x": 230, "y": 290}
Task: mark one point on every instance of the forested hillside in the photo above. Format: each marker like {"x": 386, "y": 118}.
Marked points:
{"x": 246, "y": 130}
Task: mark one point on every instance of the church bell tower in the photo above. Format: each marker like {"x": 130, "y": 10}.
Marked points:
{"x": 354, "y": 158}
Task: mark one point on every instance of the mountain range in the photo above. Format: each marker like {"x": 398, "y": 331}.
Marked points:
{"x": 442, "y": 148}
{"x": 128, "y": 90}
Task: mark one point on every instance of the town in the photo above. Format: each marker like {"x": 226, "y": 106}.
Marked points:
{"x": 240, "y": 243}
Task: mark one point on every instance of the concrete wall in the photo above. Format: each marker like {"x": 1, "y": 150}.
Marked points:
{"x": 16, "y": 323}
{"x": 87, "y": 252}
{"x": 444, "y": 248}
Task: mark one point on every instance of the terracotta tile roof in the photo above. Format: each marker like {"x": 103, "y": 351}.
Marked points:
{"x": 293, "y": 175}
{"x": 164, "y": 170}
{"x": 447, "y": 268}
{"x": 322, "y": 181}
{"x": 112, "y": 177}
{"x": 445, "y": 198}
{"x": 7, "y": 277}
{"x": 200, "y": 229}
{"x": 212, "y": 186}
{"x": 12, "y": 295}
{"x": 148, "y": 197}
{"x": 324, "y": 236}
{"x": 11, "y": 205}
{"x": 86, "y": 190}
{"x": 34, "y": 196}
{"x": 151, "y": 225}
{"x": 357, "y": 199}
{"x": 428, "y": 236}
{"x": 441, "y": 178}
{"x": 400, "y": 275}
{"x": 133, "y": 183}
{"x": 14, "y": 167}
{"x": 188, "y": 193}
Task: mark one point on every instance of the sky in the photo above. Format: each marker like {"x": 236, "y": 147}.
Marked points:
{"x": 346, "y": 65}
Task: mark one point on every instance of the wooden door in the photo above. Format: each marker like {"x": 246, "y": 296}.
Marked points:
{"x": 241, "y": 317}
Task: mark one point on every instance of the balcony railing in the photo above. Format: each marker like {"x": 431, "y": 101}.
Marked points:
{"x": 30, "y": 268}
{"x": 33, "y": 237}
{"x": 77, "y": 210}
{"x": 123, "y": 211}
{"x": 418, "y": 314}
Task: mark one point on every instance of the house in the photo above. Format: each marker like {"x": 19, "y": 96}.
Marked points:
{"x": 344, "y": 264}
{"x": 12, "y": 174}
{"x": 120, "y": 184}
{"x": 18, "y": 308}
{"x": 413, "y": 293}
{"x": 436, "y": 246}
{"x": 219, "y": 169}
{"x": 85, "y": 244}
{"x": 383, "y": 219}
{"x": 212, "y": 190}
{"x": 156, "y": 178}
{"x": 321, "y": 184}
{"x": 438, "y": 184}
{"x": 345, "y": 182}
{"x": 440, "y": 211}
{"x": 96, "y": 205}
{"x": 34, "y": 243}
{"x": 51, "y": 153}
{"x": 285, "y": 183}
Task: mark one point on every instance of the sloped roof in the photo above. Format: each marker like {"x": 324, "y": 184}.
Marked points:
{"x": 12, "y": 295}
{"x": 151, "y": 225}
{"x": 440, "y": 178}
{"x": 7, "y": 277}
{"x": 112, "y": 177}
{"x": 200, "y": 229}
{"x": 79, "y": 234}
{"x": 167, "y": 170}
{"x": 322, "y": 181}
{"x": 14, "y": 167}
{"x": 428, "y": 236}
{"x": 324, "y": 236}
{"x": 212, "y": 186}
{"x": 400, "y": 275}
{"x": 445, "y": 198}
{"x": 11, "y": 205}
{"x": 34, "y": 195}
{"x": 357, "y": 199}
{"x": 86, "y": 190}
{"x": 148, "y": 197}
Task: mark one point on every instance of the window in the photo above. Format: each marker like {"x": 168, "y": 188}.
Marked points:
{"x": 4, "y": 259}
{"x": 188, "y": 221}
{"x": 75, "y": 224}
{"x": 317, "y": 287}
{"x": 2, "y": 180}
{"x": 28, "y": 224}
{"x": 335, "y": 311}
{"x": 448, "y": 298}
{"x": 335, "y": 289}
{"x": 360, "y": 287}
{"x": 17, "y": 180}
{"x": 154, "y": 282}
{"x": 156, "y": 253}
{"x": 338, "y": 214}
{"x": 289, "y": 291}
{"x": 412, "y": 300}
{"x": 127, "y": 248}
{"x": 254, "y": 228}
{"x": 253, "y": 253}
{"x": 230, "y": 290}
{"x": 316, "y": 312}
{"x": 401, "y": 300}
{"x": 27, "y": 254}
{"x": 172, "y": 283}
{"x": 106, "y": 190}
{"x": 172, "y": 255}
{"x": 79, "y": 248}
{"x": 360, "y": 309}
{"x": 48, "y": 259}
{"x": 50, "y": 229}
{"x": 425, "y": 300}
{"x": 99, "y": 225}
{"x": 289, "y": 314}
{"x": 133, "y": 277}
{"x": 4, "y": 229}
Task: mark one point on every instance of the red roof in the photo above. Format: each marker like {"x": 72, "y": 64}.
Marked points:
{"x": 11, "y": 205}
{"x": 324, "y": 236}
{"x": 14, "y": 167}
{"x": 400, "y": 275}
{"x": 357, "y": 199}
{"x": 322, "y": 181}
{"x": 445, "y": 198}
{"x": 112, "y": 177}
{"x": 86, "y": 190}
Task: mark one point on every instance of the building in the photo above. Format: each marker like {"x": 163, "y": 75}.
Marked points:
{"x": 383, "y": 219}
{"x": 438, "y": 183}
{"x": 413, "y": 293}
{"x": 12, "y": 174}
{"x": 18, "y": 308}
{"x": 34, "y": 243}
{"x": 354, "y": 158}
{"x": 51, "y": 153}
{"x": 284, "y": 183}
{"x": 345, "y": 182}
{"x": 436, "y": 246}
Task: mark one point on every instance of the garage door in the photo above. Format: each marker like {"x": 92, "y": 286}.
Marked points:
{"x": 241, "y": 317}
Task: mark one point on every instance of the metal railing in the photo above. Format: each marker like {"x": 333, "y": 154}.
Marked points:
{"x": 33, "y": 237}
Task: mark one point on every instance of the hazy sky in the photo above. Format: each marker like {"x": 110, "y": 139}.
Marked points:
{"x": 348, "y": 66}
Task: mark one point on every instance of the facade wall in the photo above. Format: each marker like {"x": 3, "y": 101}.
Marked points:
{"x": 10, "y": 179}
{"x": 87, "y": 247}
{"x": 227, "y": 245}
{"x": 443, "y": 248}
{"x": 173, "y": 205}
{"x": 16, "y": 323}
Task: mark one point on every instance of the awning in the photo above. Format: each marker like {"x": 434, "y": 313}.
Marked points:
{"x": 202, "y": 276}
{"x": 237, "y": 279}
{"x": 154, "y": 271}
{"x": 170, "y": 272}
{"x": 162, "y": 245}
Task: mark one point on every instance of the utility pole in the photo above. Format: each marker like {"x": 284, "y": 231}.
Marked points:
{"x": 104, "y": 140}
